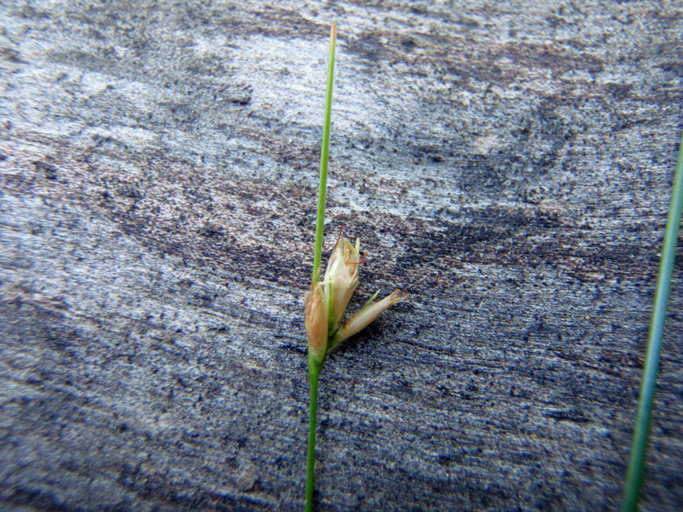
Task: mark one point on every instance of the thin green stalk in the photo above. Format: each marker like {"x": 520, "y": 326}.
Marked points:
{"x": 634, "y": 476}
{"x": 313, "y": 373}
{"x": 314, "y": 366}
{"x": 322, "y": 190}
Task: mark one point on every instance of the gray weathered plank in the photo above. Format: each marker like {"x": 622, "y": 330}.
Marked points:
{"x": 507, "y": 163}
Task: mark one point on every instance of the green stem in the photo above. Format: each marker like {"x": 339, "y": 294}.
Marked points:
{"x": 634, "y": 476}
{"x": 314, "y": 365}
{"x": 322, "y": 190}
{"x": 313, "y": 373}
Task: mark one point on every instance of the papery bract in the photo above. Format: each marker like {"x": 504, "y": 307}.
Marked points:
{"x": 316, "y": 321}
{"x": 341, "y": 279}
{"x": 362, "y": 318}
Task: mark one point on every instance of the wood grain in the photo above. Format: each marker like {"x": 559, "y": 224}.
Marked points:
{"x": 507, "y": 163}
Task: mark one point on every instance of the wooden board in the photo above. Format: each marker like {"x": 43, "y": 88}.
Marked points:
{"x": 507, "y": 163}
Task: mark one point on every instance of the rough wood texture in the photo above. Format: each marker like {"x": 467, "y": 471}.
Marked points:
{"x": 507, "y": 163}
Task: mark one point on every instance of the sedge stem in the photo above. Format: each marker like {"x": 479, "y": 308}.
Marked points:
{"x": 313, "y": 373}
{"x": 634, "y": 475}
{"x": 314, "y": 365}
{"x": 322, "y": 189}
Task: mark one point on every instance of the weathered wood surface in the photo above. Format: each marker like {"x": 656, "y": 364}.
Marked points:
{"x": 507, "y": 163}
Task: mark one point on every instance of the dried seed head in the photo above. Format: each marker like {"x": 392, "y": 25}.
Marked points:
{"x": 327, "y": 301}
